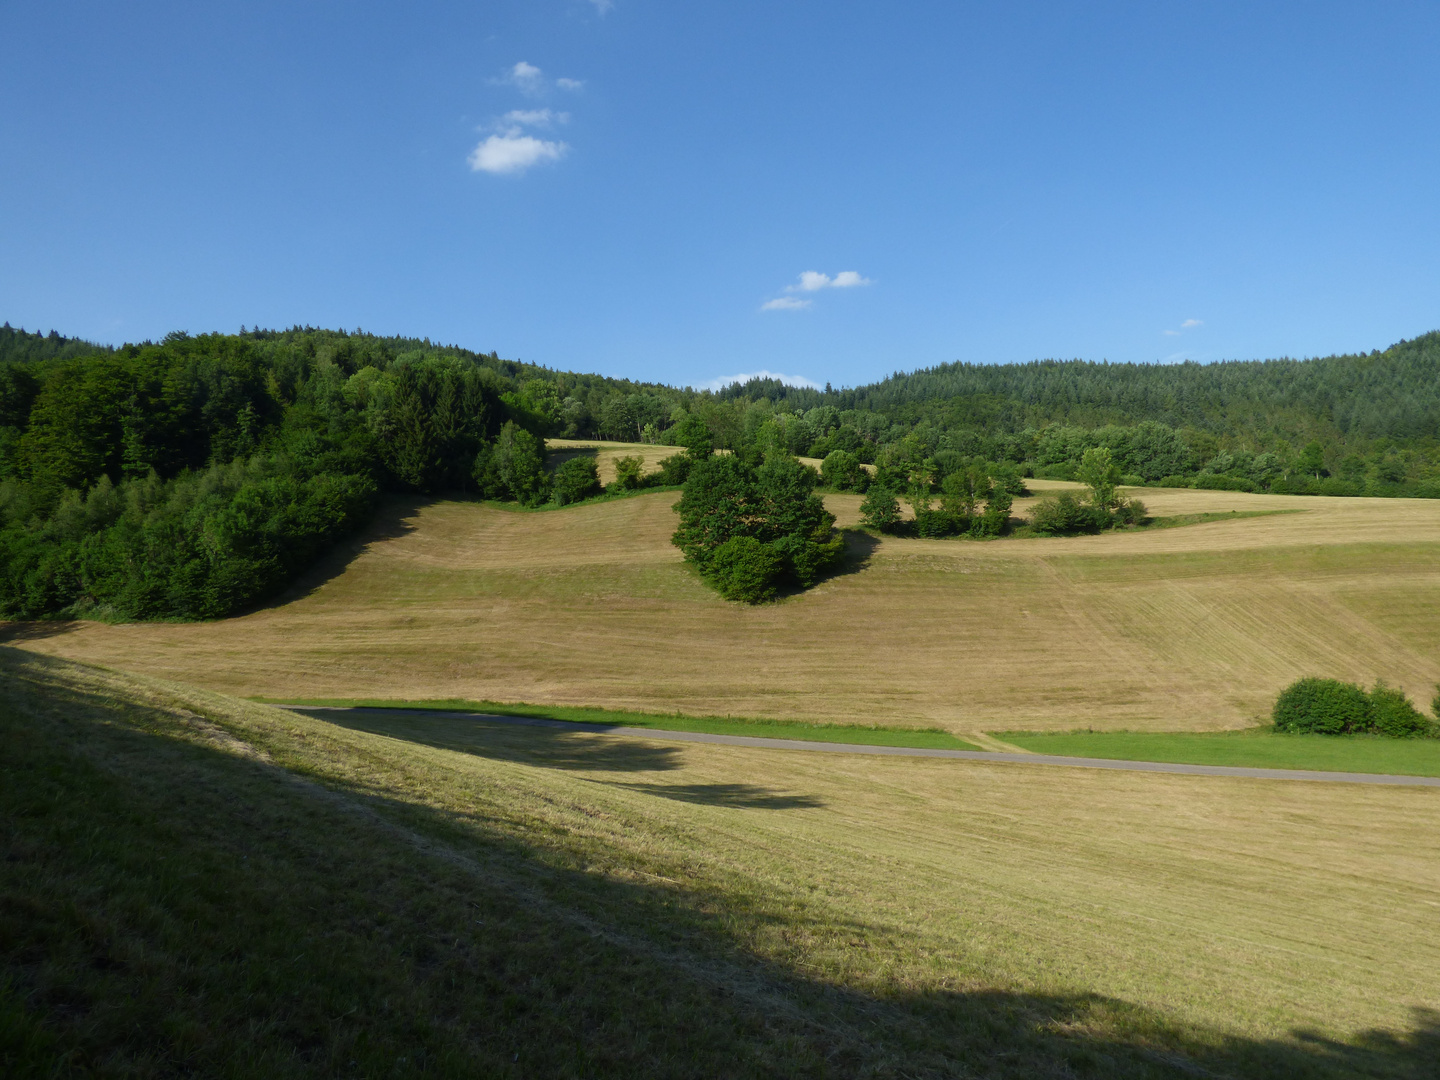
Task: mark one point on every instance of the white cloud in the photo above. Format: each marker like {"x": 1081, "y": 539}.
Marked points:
{"x": 784, "y": 303}
{"x": 533, "y": 118}
{"x": 814, "y": 281}
{"x": 1188, "y": 323}
{"x": 527, "y": 77}
{"x": 789, "y": 380}
{"x": 569, "y": 84}
{"x": 513, "y": 152}
{"x": 602, "y": 6}
{"x": 1171, "y": 333}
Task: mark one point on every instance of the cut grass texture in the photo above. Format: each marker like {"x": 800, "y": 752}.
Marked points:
{"x": 1257, "y": 749}
{"x": 197, "y": 885}
{"x": 1179, "y": 629}
{"x": 853, "y": 734}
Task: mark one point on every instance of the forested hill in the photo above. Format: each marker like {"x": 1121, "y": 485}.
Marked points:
{"x": 194, "y": 476}
{"x": 1395, "y": 393}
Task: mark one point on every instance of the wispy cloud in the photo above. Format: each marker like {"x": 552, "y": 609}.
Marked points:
{"x": 533, "y": 118}
{"x": 814, "y": 281}
{"x": 514, "y": 152}
{"x": 529, "y": 79}
{"x": 1188, "y": 324}
{"x": 602, "y": 6}
{"x": 789, "y": 380}
{"x": 509, "y": 148}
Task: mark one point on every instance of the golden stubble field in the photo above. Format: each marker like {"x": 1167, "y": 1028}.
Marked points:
{"x": 1189, "y": 628}
{"x": 1257, "y": 909}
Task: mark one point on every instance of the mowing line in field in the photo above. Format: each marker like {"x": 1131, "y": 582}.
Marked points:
{"x": 899, "y": 751}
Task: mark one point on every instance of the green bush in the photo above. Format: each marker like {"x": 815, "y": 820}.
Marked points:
{"x": 1130, "y": 512}
{"x": 1391, "y": 713}
{"x": 742, "y": 568}
{"x": 1322, "y": 707}
{"x": 576, "y": 479}
{"x": 842, "y": 471}
{"x": 629, "y": 474}
{"x": 674, "y": 470}
{"x": 514, "y": 467}
{"x": 1173, "y": 482}
{"x": 1064, "y": 513}
{"x": 880, "y": 510}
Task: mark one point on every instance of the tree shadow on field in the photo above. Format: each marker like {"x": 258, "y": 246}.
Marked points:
{"x": 555, "y": 458}
{"x": 12, "y": 633}
{"x": 168, "y": 900}
{"x": 393, "y": 519}
{"x": 741, "y": 796}
{"x": 551, "y": 744}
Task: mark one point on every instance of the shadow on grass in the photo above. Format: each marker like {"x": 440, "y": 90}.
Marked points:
{"x": 743, "y": 796}
{"x": 392, "y": 520}
{"x": 35, "y": 630}
{"x": 171, "y": 908}
{"x": 551, "y": 744}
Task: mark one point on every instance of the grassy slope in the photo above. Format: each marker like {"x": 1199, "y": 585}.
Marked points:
{"x": 1261, "y": 749}
{"x": 196, "y": 884}
{"x": 1182, "y": 629}
{"x": 854, "y": 734}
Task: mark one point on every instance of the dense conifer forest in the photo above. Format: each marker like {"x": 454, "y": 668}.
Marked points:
{"x": 196, "y": 476}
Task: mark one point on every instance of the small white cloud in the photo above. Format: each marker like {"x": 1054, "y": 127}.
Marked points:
{"x": 513, "y": 153}
{"x": 789, "y": 380}
{"x": 533, "y": 118}
{"x": 602, "y": 6}
{"x": 527, "y": 77}
{"x": 784, "y": 303}
{"x": 1171, "y": 333}
{"x": 569, "y": 84}
{"x": 1188, "y": 323}
{"x": 814, "y": 281}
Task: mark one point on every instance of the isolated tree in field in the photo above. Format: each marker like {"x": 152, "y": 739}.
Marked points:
{"x": 881, "y": 509}
{"x": 774, "y": 506}
{"x": 629, "y": 473}
{"x": 576, "y": 479}
{"x": 1099, "y": 472}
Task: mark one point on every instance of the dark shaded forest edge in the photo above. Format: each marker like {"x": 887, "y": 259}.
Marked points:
{"x": 196, "y": 476}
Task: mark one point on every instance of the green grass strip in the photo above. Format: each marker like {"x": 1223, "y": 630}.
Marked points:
{"x": 855, "y": 734}
{"x": 1260, "y": 748}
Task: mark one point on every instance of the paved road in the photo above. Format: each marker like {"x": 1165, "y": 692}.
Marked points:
{"x": 893, "y": 751}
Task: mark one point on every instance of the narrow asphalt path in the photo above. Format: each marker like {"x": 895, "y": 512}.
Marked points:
{"x": 887, "y": 751}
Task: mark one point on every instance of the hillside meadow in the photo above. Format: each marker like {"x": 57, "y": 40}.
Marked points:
{"x": 1162, "y": 629}
{"x": 280, "y": 895}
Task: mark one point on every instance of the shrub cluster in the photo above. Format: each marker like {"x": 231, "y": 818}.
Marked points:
{"x": 752, "y": 531}
{"x": 1331, "y": 707}
{"x": 972, "y": 502}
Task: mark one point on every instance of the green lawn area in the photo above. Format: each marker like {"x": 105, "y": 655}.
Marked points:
{"x": 1258, "y": 749}
{"x": 923, "y": 738}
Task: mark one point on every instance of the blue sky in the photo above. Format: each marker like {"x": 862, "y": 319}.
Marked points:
{"x": 681, "y": 192}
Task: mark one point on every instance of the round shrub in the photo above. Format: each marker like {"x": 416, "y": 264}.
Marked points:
{"x": 1062, "y": 513}
{"x": 742, "y": 568}
{"x": 576, "y": 479}
{"x": 1322, "y": 707}
{"x": 1391, "y": 713}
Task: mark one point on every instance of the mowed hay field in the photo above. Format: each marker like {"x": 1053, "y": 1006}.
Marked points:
{"x": 398, "y": 895}
{"x": 1192, "y": 628}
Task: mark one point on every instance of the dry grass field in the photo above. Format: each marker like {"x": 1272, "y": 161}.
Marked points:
{"x": 1192, "y": 628}
{"x": 805, "y": 914}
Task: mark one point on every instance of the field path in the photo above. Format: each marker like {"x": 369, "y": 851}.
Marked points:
{"x": 892, "y": 751}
